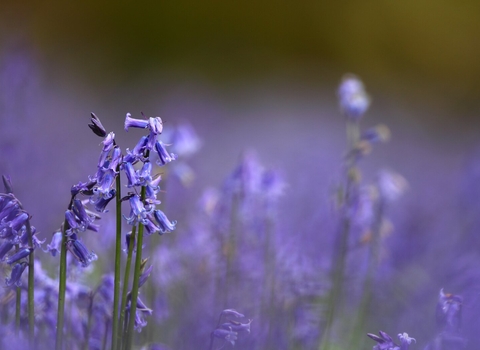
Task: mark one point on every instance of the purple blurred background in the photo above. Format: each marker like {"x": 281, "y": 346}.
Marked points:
{"x": 263, "y": 77}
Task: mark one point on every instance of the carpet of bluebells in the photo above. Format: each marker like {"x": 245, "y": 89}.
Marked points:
{"x": 230, "y": 273}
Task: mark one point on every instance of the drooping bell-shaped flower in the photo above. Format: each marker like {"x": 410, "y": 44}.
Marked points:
{"x": 354, "y": 101}
{"x": 54, "y": 246}
{"x": 80, "y": 252}
{"x": 163, "y": 222}
{"x": 100, "y": 203}
{"x": 137, "y": 153}
{"x": 22, "y": 253}
{"x": 5, "y": 247}
{"x": 163, "y": 156}
{"x": 449, "y": 312}
{"x": 16, "y": 275}
{"x": 225, "y": 334}
{"x": 138, "y": 212}
{"x": 237, "y": 326}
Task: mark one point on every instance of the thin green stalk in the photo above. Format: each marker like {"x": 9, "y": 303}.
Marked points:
{"x": 136, "y": 277}
{"x": 62, "y": 284}
{"x": 105, "y": 335}
{"x": 31, "y": 276}
{"x": 334, "y": 299}
{"x": 18, "y": 303}
{"x": 231, "y": 251}
{"x": 269, "y": 282}
{"x": 365, "y": 304}
{"x": 126, "y": 278}
{"x": 134, "y": 293}
{"x": 89, "y": 323}
{"x": 31, "y": 288}
{"x": 118, "y": 254}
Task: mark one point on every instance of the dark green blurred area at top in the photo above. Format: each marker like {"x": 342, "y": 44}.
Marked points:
{"x": 435, "y": 40}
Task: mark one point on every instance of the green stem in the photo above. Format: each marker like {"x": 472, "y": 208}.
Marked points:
{"x": 366, "y": 302}
{"x": 89, "y": 324}
{"x": 126, "y": 278}
{"x": 62, "y": 284}
{"x": 136, "y": 276}
{"x": 118, "y": 253}
{"x": 334, "y": 298}
{"x": 105, "y": 335}
{"x": 269, "y": 282}
{"x": 18, "y": 302}
{"x": 231, "y": 252}
{"x": 31, "y": 288}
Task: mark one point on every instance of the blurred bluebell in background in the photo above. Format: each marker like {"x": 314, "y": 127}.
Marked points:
{"x": 248, "y": 96}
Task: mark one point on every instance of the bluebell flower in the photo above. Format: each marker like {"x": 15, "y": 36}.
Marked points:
{"x": 231, "y": 312}
{"x": 156, "y": 128}
{"x": 449, "y": 312}
{"x": 105, "y": 288}
{"x": 72, "y": 221}
{"x": 141, "y": 307}
{"x": 116, "y": 160}
{"x": 391, "y": 185}
{"x": 80, "y": 252}
{"x": 54, "y": 246}
{"x": 106, "y": 182}
{"x": 185, "y": 140}
{"x": 82, "y": 218}
{"x": 83, "y": 187}
{"x": 100, "y": 203}
{"x": 93, "y": 227}
{"x": 354, "y": 101}
{"x": 131, "y": 174}
{"x": 97, "y": 126}
{"x": 163, "y": 155}
{"x": 144, "y": 175}
{"x": 128, "y": 239}
{"x": 138, "y": 213}
{"x": 108, "y": 144}
{"x": 155, "y": 125}
{"x": 22, "y": 253}
{"x": 109, "y": 141}
{"x": 150, "y": 226}
{"x": 5, "y": 247}
{"x": 19, "y": 221}
{"x": 144, "y": 276}
{"x": 164, "y": 224}
{"x": 16, "y": 274}
{"x": 225, "y": 334}
{"x": 405, "y": 341}
{"x": 141, "y": 310}
{"x": 135, "y": 123}
{"x": 377, "y": 134}
{"x": 25, "y": 235}
{"x": 6, "y": 198}
{"x": 137, "y": 152}
{"x": 151, "y": 190}
{"x": 237, "y": 326}
{"x": 385, "y": 342}
{"x": 8, "y": 211}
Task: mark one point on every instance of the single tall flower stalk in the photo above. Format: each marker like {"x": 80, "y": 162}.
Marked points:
{"x": 31, "y": 286}
{"x": 136, "y": 277}
{"x": 62, "y": 283}
{"x": 118, "y": 252}
{"x": 31, "y": 277}
{"x": 354, "y": 102}
{"x": 123, "y": 321}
